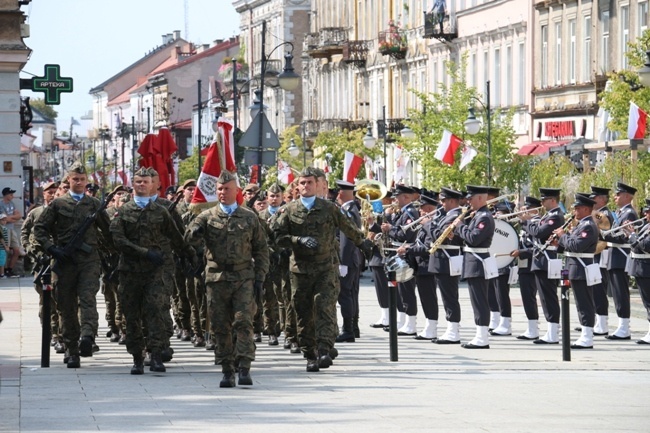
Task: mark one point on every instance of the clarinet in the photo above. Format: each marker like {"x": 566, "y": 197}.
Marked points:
{"x": 553, "y": 237}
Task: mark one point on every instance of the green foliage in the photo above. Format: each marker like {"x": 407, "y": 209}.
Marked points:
{"x": 448, "y": 109}
{"x": 188, "y": 168}
{"x": 336, "y": 143}
{"x": 46, "y": 110}
{"x": 557, "y": 171}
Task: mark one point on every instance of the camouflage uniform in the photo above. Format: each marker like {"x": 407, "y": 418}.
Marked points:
{"x": 113, "y": 314}
{"x": 314, "y": 272}
{"x": 136, "y": 231}
{"x": 272, "y": 283}
{"x": 232, "y": 242}
{"x": 77, "y": 285}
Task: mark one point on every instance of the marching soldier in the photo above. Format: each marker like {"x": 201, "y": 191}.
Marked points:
{"x": 138, "y": 230}
{"x": 601, "y": 302}
{"x": 350, "y": 267}
{"x": 540, "y": 231}
{"x": 478, "y": 238}
{"x": 78, "y": 271}
{"x": 618, "y": 252}
{"x": 308, "y": 226}
{"x": 579, "y": 247}
{"x": 527, "y": 283}
{"x": 641, "y": 265}
{"x": 237, "y": 262}
{"x": 405, "y": 197}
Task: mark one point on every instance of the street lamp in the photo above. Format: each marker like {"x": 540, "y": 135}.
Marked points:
{"x": 407, "y": 133}
{"x": 368, "y": 139}
{"x": 644, "y": 72}
{"x": 473, "y": 126}
{"x": 293, "y": 149}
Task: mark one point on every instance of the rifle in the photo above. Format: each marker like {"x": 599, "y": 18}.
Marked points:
{"x": 77, "y": 241}
{"x": 44, "y": 273}
{"x": 177, "y": 199}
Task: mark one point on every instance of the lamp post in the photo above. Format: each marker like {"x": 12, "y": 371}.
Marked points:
{"x": 644, "y": 72}
{"x": 473, "y": 126}
{"x": 199, "y": 115}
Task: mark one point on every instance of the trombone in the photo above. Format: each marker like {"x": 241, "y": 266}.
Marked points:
{"x": 615, "y": 229}
{"x": 433, "y": 214}
{"x": 509, "y": 216}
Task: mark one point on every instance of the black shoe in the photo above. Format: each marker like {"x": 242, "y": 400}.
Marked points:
{"x": 186, "y": 335}
{"x": 378, "y": 325}
{"x": 345, "y": 337}
{"x": 95, "y": 347}
{"x": 324, "y": 360}
{"x": 199, "y": 342}
{"x": 402, "y": 334}
{"x": 287, "y": 343}
{"x": 441, "y": 341}
{"x": 524, "y": 337}
{"x": 73, "y": 362}
{"x": 273, "y": 340}
{"x": 540, "y": 341}
{"x": 294, "y": 347}
{"x": 228, "y": 380}
{"x": 387, "y": 328}
{"x": 109, "y": 334}
{"x": 258, "y": 337}
{"x": 616, "y": 337}
{"x": 334, "y": 353}
{"x": 54, "y": 341}
{"x": 642, "y": 342}
{"x": 577, "y": 346}
{"x": 497, "y": 334}
{"x": 421, "y": 338}
{"x": 601, "y": 334}
{"x": 312, "y": 365}
{"x": 115, "y": 337}
{"x": 210, "y": 346}
{"x": 86, "y": 346}
{"x": 122, "y": 339}
{"x": 157, "y": 363}
{"x": 578, "y": 328}
{"x": 245, "y": 376}
{"x": 166, "y": 354}
{"x": 59, "y": 347}
{"x": 474, "y": 346}
{"x": 138, "y": 365}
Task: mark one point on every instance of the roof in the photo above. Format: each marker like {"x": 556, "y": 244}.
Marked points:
{"x": 207, "y": 53}
{"x": 183, "y": 124}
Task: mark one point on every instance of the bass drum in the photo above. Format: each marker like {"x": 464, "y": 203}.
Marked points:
{"x": 504, "y": 242}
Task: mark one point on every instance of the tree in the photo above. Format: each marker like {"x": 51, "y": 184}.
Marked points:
{"x": 188, "y": 168}
{"x": 43, "y": 108}
{"x": 447, "y": 110}
{"x": 557, "y": 171}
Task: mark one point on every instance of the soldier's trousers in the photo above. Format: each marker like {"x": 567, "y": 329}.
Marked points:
{"x": 231, "y": 306}
{"x": 449, "y": 294}
{"x": 202, "y": 302}
{"x": 619, "y": 281}
{"x": 144, "y": 307}
{"x": 547, "y": 290}
{"x": 313, "y": 296}
{"x": 182, "y": 308}
{"x": 195, "y": 305}
{"x": 601, "y": 302}
{"x": 408, "y": 302}
{"x": 75, "y": 291}
{"x": 113, "y": 306}
{"x": 290, "y": 320}
{"x": 502, "y": 293}
{"x": 584, "y": 302}
{"x": 478, "y": 295}
{"x": 426, "y": 284}
{"x": 270, "y": 303}
{"x": 528, "y": 290}
{"x": 168, "y": 284}
{"x": 54, "y": 314}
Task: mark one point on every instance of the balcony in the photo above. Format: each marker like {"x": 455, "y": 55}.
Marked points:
{"x": 393, "y": 42}
{"x": 273, "y": 68}
{"x": 335, "y": 124}
{"x": 356, "y": 53}
{"x": 312, "y": 128}
{"x": 393, "y": 127}
{"x": 442, "y": 29}
{"x": 354, "y": 125}
{"x": 327, "y": 42}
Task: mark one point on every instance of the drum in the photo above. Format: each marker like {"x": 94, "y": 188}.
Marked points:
{"x": 504, "y": 242}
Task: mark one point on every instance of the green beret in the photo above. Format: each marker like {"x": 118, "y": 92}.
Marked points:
{"x": 143, "y": 172}
{"x": 77, "y": 168}
{"x": 276, "y": 188}
{"x": 226, "y": 177}
{"x": 310, "y": 172}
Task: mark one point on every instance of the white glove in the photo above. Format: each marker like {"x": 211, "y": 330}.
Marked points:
{"x": 343, "y": 270}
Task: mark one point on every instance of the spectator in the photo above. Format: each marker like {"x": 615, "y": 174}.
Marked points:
{"x": 8, "y": 208}
{"x": 4, "y": 244}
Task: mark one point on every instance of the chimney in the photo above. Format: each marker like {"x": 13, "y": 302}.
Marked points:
{"x": 164, "y": 37}
{"x": 177, "y": 35}
{"x": 218, "y": 41}
{"x": 170, "y": 37}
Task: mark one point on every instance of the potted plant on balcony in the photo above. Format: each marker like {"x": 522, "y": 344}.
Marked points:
{"x": 393, "y": 41}
{"x": 225, "y": 70}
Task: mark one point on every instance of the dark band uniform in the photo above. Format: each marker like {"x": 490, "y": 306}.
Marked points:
{"x": 641, "y": 268}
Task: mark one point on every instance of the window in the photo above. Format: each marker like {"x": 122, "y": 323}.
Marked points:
{"x": 586, "y": 51}
{"x": 625, "y": 34}
{"x": 522, "y": 73}
{"x": 544, "y": 65}
{"x": 423, "y": 86}
{"x": 643, "y": 18}
{"x": 497, "y": 77}
{"x": 558, "y": 53}
{"x": 604, "y": 53}
{"x": 509, "y": 83}
{"x": 572, "y": 51}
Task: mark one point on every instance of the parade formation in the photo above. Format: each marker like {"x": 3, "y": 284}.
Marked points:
{"x": 277, "y": 262}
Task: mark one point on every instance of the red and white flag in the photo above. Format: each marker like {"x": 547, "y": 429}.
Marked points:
{"x": 370, "y": 165}
{"x": 351, "y": 166}
{"x": 285, "y": 174}
{"x": 447, "y": 148}
{"x": 637, "y": 122}
{"x": 468, "y": 155}
{"x": 220, "y": 156}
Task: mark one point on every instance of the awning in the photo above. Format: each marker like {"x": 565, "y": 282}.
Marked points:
{"x": 540, "y": 147}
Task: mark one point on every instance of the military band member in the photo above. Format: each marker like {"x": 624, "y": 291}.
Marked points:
{"x": 540, "y": 231}
{"x": 527, "y": 283}
{"x": 579, "y": 246}
{"x": 601, "y": 302}
{"x": 405, "y": 196}
{"x": 308, "y": 226}
{"x": 477, "y": 235}
{"x": 499, "y": 288}
{"x": 77, "y": 283}
{"x": 376, "y": 264}
{"x": 641, "y": 265}
{"x": 424, "y": 278}
{"x": 350, "y": 268}
{"x": 237, "y": 262}
{"x": 618, "y": 252}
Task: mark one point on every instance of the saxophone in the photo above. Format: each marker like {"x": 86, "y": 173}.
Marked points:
{"x": 450, "y": 228}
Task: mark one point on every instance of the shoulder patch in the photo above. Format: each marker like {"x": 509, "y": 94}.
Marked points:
{"x": 481, "y": 225}
{"x": 551, "y": 222}
{"x": 583, "y": 234}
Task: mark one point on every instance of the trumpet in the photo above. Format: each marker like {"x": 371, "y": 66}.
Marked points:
{"x": 615, "y": 229}
{"x": 509, "y": 216}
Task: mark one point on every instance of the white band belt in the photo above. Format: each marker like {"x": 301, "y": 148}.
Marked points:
{"x": 640, "y": 256}
{"x": 579, "y": 255}
{"x": 476, "y": 250}
{"x": 611, "y": 245}
{"x": 449, "y": 247}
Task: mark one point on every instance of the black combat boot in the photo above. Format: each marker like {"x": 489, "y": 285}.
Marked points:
{"x": 86, "y": 346}
{"x": 73, "y": 361}
{"x": 355, "y": 327}
{"x": 166, "y": 354}
{"x": 324, "y": 359}
{"x": 138, "y": 364}
{"x": 346, "y": 335}
{"x": 273, "y": 340}
{"x": 334, "y": 352}
{"x": 245, "y": 376}
{"x": 228, "y": 380}
{"x": 312, "y": 362}
{"x": 156, "y": 363}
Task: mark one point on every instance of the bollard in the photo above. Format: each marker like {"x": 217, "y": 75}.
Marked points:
{"x": 392, "y": 316}
{"x": 47, "y": 330}
{"x": 566, "y": 326}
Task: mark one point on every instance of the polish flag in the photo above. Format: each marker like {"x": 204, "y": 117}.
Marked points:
{"x": 351, "y": 166}
{"x": 447, "y": 148}
{"x": 369, "y": 163}
{"x": 636, "y": 123}
{"x": 468, "y": 155}
{"x": 285, "y": 174}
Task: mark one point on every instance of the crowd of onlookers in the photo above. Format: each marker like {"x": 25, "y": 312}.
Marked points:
{"x": 10, "y": 222}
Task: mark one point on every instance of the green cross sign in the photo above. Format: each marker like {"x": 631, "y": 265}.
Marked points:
{"x": 52, "y": 84}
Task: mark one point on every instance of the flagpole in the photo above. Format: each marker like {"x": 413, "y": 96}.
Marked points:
{"x": 198, "y": 85}
{"x": 260, "y": 149}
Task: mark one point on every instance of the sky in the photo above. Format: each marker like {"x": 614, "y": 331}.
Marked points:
{"x": 93, "y": 40}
